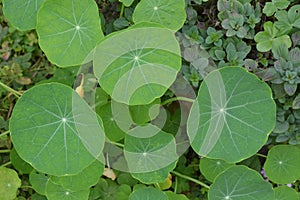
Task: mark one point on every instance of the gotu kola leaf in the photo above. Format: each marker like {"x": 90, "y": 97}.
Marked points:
{"x": 68, "y": 30}
{"x": 54, "y": 130}
{"x": 137, "y": 65}
{"x": 240, "y": 183}
{"x": 22, "y": 13}
{"x": 9, "y": 183}
{"x": 232, "y": 116}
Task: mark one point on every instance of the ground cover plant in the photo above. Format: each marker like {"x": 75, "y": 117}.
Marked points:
{"x": 149, "y": 99}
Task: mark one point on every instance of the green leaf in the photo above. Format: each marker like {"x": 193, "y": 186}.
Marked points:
{"x": 173, "y": 196}
{"x": 18, "y": 163}
{"x": 148, "y": 149}
{"x": 137, "y": 65}
{"x": 54, "y": 130}
{"x": 283, "y": 164}
{"x": 240, "y": 183}
{"x": 211, "y": 168}
{"x": 296, "y": 102}
{"x": 285, "y": 193}
{"x": 83, "y": 180}
{"x": 170, "y": 13}
{"x": 232, "y": 116}
{"x": 127, "y": 3}
{"x": 22, "y": 13}
{"x": 148, "y": 193}
{"x": 55, "y": 192}
{"x": 38, "y": 181}
{"x": 68, "y": 30}
{"x": 9, "y": 183}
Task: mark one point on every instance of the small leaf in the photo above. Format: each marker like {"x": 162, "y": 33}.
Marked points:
{"x": 173, "y": 196}
{"x": 127, "y": 3}
{"x": 148, "y": 193}
{"x": 9, "y": 183}
{"x": 283, "y": 164}
{"x": 290, "y": 89}
{"x": 285, "y": 193}
{"x": 38, "y": 181}
{"x": 296, "y": 102}
{"x": 240, "y": 183}
{"x": 18, "y": 163}
{"x": 166, "y": 184}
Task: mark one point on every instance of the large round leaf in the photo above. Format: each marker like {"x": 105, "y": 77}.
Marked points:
{"x": 54, "y": 130}
{"x": 148, "y": 149}
{"x": 137, "y": 65}
{"x": 22, "y": 13}
{"x": 240, "y": 183}
{"x": 68, "y": 30}
{"x": 232, "y": 116}
{"x": 285, "y": 193}
{"x": 283, "y": 164}
{"x": 9, "y": 183}
{"x": 170, "y": 13}
{"x": 148, "y": 193}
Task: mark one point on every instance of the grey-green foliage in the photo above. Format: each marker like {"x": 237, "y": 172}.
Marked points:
{"x": 239, "y": 17}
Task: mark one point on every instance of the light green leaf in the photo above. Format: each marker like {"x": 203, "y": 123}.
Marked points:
{"x": 18, "y": 163}
{"x": 285, "y": 193}
{"x": 240, "y": 183}
{"x": 38, "y": 181}
{"x": 148, "y": 193}
{"x": 173, "y": 196}
{"x": 9, "y": 183}
{"x": 68, "y": 30}
{"x": 83, "y": 180}
{"x": 55, "y": 192}
{"x": 54, "y": 130}
{"x": 232, "y": 116}
{"x": 127, "y": 3}
{"x": 22, "y": 13}
{"x": 169, "y": 13}
{"x": 210, "y": 168}
{"x": 148, "y": 149}
{"x": 137, "y": 65}
{"x": 283, "y": 164}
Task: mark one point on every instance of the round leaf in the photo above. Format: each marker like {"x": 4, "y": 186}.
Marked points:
{"x": 232, "y": 116}
{"x": 83, "y": 180}
{"x": 283, "y": 164}
{"x": 148, "y": 193}
{"x": 25, "y": 17}
{"x": 68, "y": 30}
{"x": 137, "y": 65}
{"x": 9, "y": 183}
{"x": 210, "y": 168}
{"x": 240, "y": 183}
{"x": 173, "y": 196}
{"x": 18, "y": 163}
{"x": 54, "y": 192}
{"x": 38, "y": 181}
{"x": 285, "y": 193}
{"x": 170, "y": 13}
{"x": 148, "y": 149}
{"x": 54, "y": 130}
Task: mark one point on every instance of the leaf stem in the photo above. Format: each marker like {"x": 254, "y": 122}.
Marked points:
{"x": 6, "y": 164}
{"x": 190, "y": 179}
{"x": 9, "y": 89}
{"x": 177, "y": 99}
{"x": 117, "y": 144}
{"x": 4, "y": 133}
{"x": 261, "y": 155}
{"x": 5, "y": 151}
{"x": 122, "y": 10}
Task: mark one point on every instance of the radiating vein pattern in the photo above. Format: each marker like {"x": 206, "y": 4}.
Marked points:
{"x": 232, "y": 115}
{"x": 59, "y": 131}
{"x": 137, "y": 65}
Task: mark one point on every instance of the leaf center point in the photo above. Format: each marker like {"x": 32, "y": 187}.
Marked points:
{"x": 155, "y": 8}
{"x": 77, "y": 27}
{"x": 64, "y": 119}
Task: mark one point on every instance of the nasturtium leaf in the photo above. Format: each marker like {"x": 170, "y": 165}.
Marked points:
{"x": 285, "y": 193}
{"x": 173, "y": 196}
{"x": 137, "y": 65}
{"x": 38, "y": 181}
{"x": 126, "y": 178}
{"x": 61, "y": 134}
{"x": 22, "y": 13}
{"x": 170, "y": 13}
{"x": 148, "y": 149}
{"x": 210, "y": 168}
{"x": 148, "y": 193}
{"x": 55, "y": 192}
{"x": 9, "y": 183}
{"x": 240, "y": 183}
{"x": 127, "y": 3}
{"x": 83, "y": 180}
{"x": 18, "y": 163}
{"x": 283, "y": 164}
{"x": 232, "y": 116}
{"x": 68, "y": 30}
{"x": 37, "y": 196}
